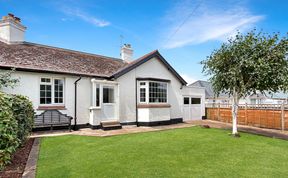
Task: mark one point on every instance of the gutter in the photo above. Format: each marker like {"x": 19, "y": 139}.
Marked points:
{"x": 75, "y": 104}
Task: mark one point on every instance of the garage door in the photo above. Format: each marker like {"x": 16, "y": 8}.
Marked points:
{"x": 192, "y": 108}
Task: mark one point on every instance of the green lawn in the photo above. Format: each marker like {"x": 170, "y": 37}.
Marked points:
{"x": 189, "y": 152}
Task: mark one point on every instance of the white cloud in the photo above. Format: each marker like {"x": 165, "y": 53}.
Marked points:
{"x": 85, "y": 17}
{"x": 208, "y": 22}
{"x": 188, "y": 78}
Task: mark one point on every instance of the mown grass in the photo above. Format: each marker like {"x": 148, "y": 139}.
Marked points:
{"x": 189, "y": 152}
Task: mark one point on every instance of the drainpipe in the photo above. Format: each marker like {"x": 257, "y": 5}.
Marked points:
{"x": 75, "y": 104}
{"x": 136, "y": 103}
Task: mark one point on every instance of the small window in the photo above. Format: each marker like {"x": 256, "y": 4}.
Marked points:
{"x": 97, "y": 95}
{"x": 195, "y": 100}
{"x": 108, "y": 94}
{"x": 142, "y": 83}
{"x": 186, "y": 100}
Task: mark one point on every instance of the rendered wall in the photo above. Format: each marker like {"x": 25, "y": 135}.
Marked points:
{"x": 29, "y": 86}
{"x": 153, "y": 68}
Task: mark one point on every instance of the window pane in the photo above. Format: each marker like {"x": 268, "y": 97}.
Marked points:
{"x": 195, "y": 100}
{"x": 45, "y": 94}
{"x": 48, "y": 101}
{"x": 97, "y": 95}
{"x": 186, "y": 100}
{"x": 42, "y": 94}
{"x": 42, "y": 100}
{"x": 42, "y": 87}
{"x": 45, "y": 80}
{"x": 48, "y": 87}
{"x": 58, "y": 90}
{"x": 157, "y": 92}
{"x": 108, "y": 95}
{"x": 142, "y": 95}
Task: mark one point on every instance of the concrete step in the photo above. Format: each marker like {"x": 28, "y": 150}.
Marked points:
{"x": 111, "y": 125}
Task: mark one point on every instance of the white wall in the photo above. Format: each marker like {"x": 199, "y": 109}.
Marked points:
{"x": 30, "y": 83}
{"x": 29, "y": 86}
{"x": 153, "y": 69}
{"x": 195, "y": 92}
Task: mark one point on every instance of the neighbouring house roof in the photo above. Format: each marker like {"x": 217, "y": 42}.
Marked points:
{"x": 41, "y": 58}
{"x": 210, "y": 93}
{"x": 36, "y": 57}
{"x": 145, "y": 58}
{"x": 208, "y": 89}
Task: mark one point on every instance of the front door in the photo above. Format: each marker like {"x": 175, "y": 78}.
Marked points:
{"x": 109, "y": 103}
{"x": 191, "y": 108}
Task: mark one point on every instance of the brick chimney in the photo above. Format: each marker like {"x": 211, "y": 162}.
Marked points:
{"x": 11, "y": 29}
{"x": 127, "y": 53}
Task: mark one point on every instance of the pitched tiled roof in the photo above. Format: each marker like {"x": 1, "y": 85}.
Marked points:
{"x": 35, "y": 57}
{"x": 144, "y": 59}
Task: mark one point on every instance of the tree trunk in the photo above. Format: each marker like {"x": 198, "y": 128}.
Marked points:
{"x": 235, "y": 103}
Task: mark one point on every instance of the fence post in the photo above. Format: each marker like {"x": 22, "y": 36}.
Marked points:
{"x": 218, "y": 116}
{"x": 246, "y": 113}
{"x": 282, "y": 117}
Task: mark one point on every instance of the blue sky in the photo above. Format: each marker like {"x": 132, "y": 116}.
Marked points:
{"x": 95, "y": 26}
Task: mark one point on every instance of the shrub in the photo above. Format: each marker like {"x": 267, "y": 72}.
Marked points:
{"x": 16, "y": 119}
{"x": 23, "y": 113}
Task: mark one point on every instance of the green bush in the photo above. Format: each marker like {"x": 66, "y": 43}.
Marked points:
{"x": 23, "y": 113}
{"x": 16, "y": 120}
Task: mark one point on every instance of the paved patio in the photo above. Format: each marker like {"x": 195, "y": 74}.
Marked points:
{"x": 133, "y": 129}
{"x": 102, "y": 133}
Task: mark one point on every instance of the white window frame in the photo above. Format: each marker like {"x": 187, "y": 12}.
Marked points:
{"x": 147, "y": 92}
{"x": 146, "y": 88}
{"x": 114, "y": 94}
{"x": 102, "y": 84}
{"x": 52, "y": 83}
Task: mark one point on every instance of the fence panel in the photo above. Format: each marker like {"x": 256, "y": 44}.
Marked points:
{"x": 273, "y": 116}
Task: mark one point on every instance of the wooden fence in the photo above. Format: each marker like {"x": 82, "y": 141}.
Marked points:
{"x": 273, "y": 116}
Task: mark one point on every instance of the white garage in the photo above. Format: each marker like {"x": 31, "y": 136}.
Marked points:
{"x": 193, "y": 105}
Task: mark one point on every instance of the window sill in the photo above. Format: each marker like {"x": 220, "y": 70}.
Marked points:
{"x": 51, "y": 108}
{"x": 94, "y": 108}
{"x": 164, "y": 105}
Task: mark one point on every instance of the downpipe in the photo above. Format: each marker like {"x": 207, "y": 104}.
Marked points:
{"x": 75, "y": 104}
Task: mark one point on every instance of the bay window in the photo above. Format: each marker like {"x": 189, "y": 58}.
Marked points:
{"x": 152, "y": 92}
{"x": 51, "y": 91}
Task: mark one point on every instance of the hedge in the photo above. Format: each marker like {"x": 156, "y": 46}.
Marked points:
{"x": 16, "y": 121}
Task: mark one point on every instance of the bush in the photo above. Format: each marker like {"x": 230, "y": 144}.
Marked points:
{"x": 23, "y": 113}
{"x": 16, "y": 120}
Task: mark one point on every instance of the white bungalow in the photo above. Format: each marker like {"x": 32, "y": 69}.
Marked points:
{"x": 93, "y": 88}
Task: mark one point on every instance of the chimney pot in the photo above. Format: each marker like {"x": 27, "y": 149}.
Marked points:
{"x": 127, "y": 53}
{"x": 11, "y": 15}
